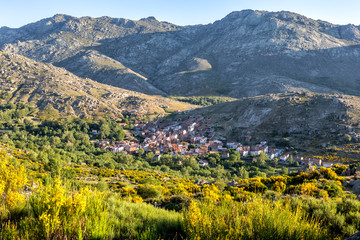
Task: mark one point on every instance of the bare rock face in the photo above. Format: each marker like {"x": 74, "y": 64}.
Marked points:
{"x": 247, "y": 53}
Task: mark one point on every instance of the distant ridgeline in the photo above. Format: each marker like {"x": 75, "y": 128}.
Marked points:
{"x": 247, "y": 53}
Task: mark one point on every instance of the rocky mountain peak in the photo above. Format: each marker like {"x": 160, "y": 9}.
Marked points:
{"x": 150, "y": 18}
{"x": 61, "y": 18}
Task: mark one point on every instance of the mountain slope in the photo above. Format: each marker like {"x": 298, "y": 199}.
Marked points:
{"x": 248, "y": 46}
{"x": 43, "y": 84}
{"x": 298, "y": 116}
{"x": 98, "y": 67}
{"x": 247, "y": 53}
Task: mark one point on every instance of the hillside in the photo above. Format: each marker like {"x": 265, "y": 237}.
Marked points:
{"x": 247, "y": 53}
{"x": 61, "y": 37}
{"x": 25, "y": 80}
{"x": 302, "y": 118}
{"x": 92, "y": 64}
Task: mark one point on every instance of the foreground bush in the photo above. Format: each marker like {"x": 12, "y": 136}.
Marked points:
{"x": 13, "y": 178}
{"x": 143, "y": 221}
{"x": 260, "y": 219}
{"x": 55, "y": 213}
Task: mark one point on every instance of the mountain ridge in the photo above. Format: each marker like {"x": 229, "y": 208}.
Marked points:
{"x": 246, "y": 53}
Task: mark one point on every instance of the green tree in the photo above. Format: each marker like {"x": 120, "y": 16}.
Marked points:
{"x": 191, "y": 162}
{"x": 141, "y": 152}
{"x": 276, "y": 161}
{"x": 49, "y": 113}
{"x": 234, "y": 156}
{"x": 149, "y": 156}
{"x": 119, "y": 135}
{"x": 262, "y": 158}
{"x": 242, "y": 173}
{"x": 104, "y": 130}
{"x": 291, "y": 160}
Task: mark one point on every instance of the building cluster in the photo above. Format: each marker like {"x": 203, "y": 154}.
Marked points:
{"x": 189, "y": 136}
{"x": 192, "y": 136}
{"x": 312, "y": 161}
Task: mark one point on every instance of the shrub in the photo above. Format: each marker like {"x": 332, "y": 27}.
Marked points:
{"x": 13, "y": 178}
{"x": 149, "y": 192}
{"x": 260, "y": 219}
{"x": 328, "y": 173}
{"x": 178, "y": 202}
{"x": 143, "y": 221}
{"x": 257, "y": 187}
{"x": 61, "y": 215}
{"x": 279, "y": 187}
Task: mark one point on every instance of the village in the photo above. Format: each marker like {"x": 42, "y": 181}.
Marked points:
{"x": 192, "y": 136}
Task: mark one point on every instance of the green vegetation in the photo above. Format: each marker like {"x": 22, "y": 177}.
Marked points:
{"x": 344, "y": 153}
{"x": 59, "y": 141}
{"x": 56, "y": 184}
{"x": 143, "y": 221}
{"x": 259, "y": 219}
{"x": 204, "y": 100}
{"x": 85, "y": 202}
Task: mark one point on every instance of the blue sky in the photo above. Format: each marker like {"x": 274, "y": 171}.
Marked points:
{"x": 15, "y": 13}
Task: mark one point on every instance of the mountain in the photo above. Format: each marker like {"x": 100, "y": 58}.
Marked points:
{"x": 42, "y": 84}
{"x": 62, "y": 37}
{"x": 247, "y": 53}
{"x": 304, "y": 118}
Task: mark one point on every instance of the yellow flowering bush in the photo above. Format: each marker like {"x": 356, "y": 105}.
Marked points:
{"x": 257, "y": 219}
{"x": 60, "y": 213}
{"x": 308, "y": 188}
{"x": 279, "y": 187}
{"x": 211, "y": 192}
{"x": 328, "y": 173}
{"x": 13, "y": 178}
{"x": 128, "y": 190}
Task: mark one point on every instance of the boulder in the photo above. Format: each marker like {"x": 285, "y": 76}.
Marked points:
{"x": 233, "y": 184}
{"x": 201, "y": 182}
{"x": 355, "y": 186}
{"x": 347, "y": 172}
{"x": 356, "y": 236}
